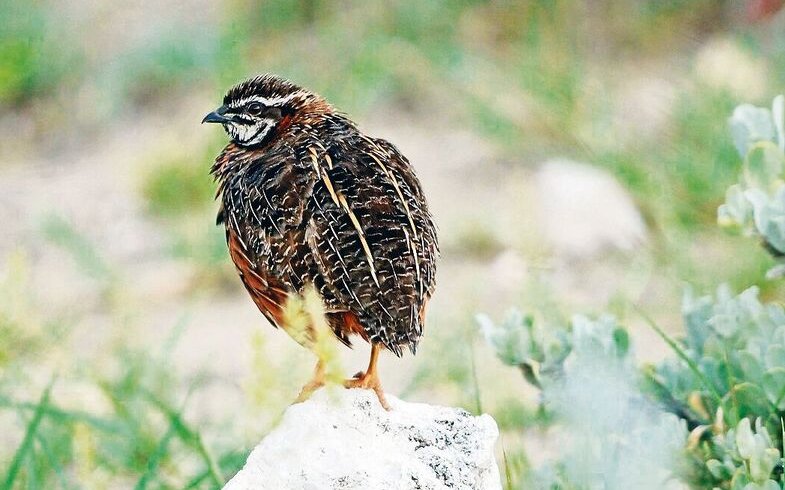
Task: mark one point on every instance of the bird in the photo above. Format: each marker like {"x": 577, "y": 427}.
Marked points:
{"x": 308, "y": 200}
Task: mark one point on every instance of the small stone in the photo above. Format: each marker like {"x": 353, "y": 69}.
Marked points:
{"x": 586, "y": 211}
{"x": 343, "y": 439}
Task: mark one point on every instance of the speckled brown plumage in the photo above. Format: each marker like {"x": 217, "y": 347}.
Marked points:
{"x": 306, "y": 198}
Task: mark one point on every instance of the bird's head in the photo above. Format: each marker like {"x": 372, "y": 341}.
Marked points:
{"x": 255, "y": 110}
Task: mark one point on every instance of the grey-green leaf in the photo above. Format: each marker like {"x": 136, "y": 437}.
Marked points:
{"x": 750, "y": 124}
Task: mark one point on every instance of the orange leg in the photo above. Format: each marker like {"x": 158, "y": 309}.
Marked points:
{"x": 316, "y": 382}
{"x": 370, "y": 378}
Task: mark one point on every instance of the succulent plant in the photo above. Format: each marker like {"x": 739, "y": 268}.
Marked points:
{"x": 618, "y": 438}
{"x": 756, "y": 205}
{"x": 521, "y": 342}
{"x": 725, "y": 382}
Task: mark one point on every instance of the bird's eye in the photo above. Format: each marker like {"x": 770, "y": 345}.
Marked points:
{"x": 255, "y": 109}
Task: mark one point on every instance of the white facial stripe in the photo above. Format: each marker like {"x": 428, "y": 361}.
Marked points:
{"x": 262, "y": 133}
{"x": 249, "y": 134}
{"x": 275, "y": 101}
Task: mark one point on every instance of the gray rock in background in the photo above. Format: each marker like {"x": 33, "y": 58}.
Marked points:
{"x": 585, "y": 211}
{"x": 343, "y": 439}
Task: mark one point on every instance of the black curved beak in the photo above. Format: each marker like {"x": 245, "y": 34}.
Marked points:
{"x": 217, "y": 116}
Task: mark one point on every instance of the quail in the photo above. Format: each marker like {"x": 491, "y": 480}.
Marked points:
{"x": 308, "y": 200}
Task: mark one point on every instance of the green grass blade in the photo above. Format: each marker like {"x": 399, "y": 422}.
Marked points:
{"x": 27, "y": 441}
{"x": 190, "y": 437}
{"x": 234, "y": 460}
{"x": 666, "y": 399}
{"x": 680, "y": 352}
{"x": 214, "y": 469}
{"x": 32, "y": 477}
{"x": 52, "y": 460}
{"x": 66, "y": 416}
{"x": 63, "y": 234}
{"x": 507, "y": 471}
{"x": 197, "y": 480}
{"x": 156, "y": 457}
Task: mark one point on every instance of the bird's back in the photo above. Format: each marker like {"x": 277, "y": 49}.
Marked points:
{"x": 326, "y": 205}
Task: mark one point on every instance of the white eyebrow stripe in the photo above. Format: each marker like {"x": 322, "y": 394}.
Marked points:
{"x": 266, "y": 101}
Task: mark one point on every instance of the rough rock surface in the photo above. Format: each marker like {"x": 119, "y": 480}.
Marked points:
{"x": 343, "y": 439}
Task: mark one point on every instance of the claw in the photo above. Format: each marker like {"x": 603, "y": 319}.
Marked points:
{"x": 370, "y": 379}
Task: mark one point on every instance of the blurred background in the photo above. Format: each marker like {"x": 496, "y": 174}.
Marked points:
{"x": 573, "y": 152}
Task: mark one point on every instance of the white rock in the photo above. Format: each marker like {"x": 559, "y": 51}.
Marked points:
{"x": 343, "y": 439}
{"x": 584, "y": 210}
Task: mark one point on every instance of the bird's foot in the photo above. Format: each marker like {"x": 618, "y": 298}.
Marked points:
{"x": 308, "y": 390}
{"x": 369, "y": 381}
{"x": 317, "y": 382}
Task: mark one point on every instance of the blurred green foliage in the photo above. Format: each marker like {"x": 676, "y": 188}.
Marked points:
{"x": 726, "y": 373}
{"x": 178, "y": 186}
{"x": 589, "y": 387}
{"x": 179, "y": 193}
{"x": 135, "y": 430}
{"x": 19, "y": 327}
{"x": 142, "y": 438}
{"x": 756, "y": 205}
{"x": 536, "y": 78}
{"x": 729, "y": 369}
{"x": 460, "y": 54}
{"x": 34, "y": 55}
